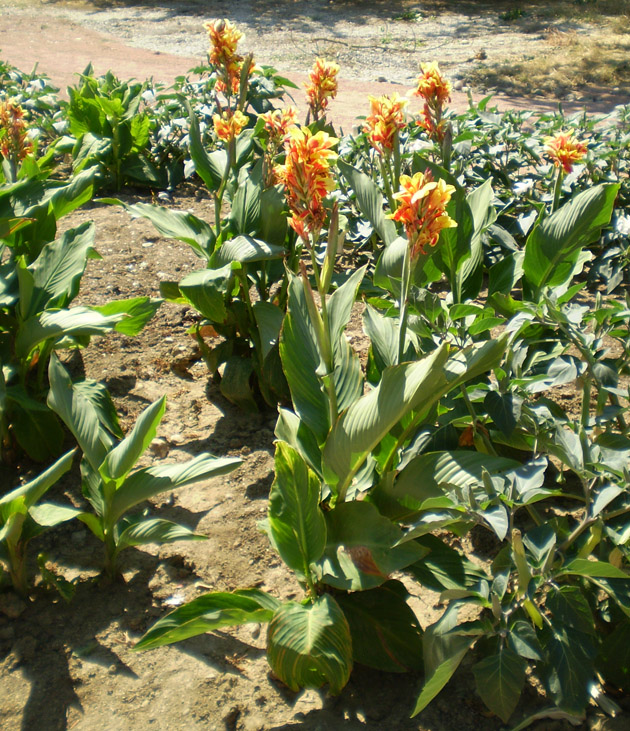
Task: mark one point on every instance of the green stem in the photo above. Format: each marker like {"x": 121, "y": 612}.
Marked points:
{"x": 387, "y": 184}
{"x": 557, "y": 189}
{"x": 471, "y": 410}
{"x": 397, "y": 161}
{"x": 404, "y": 294}
{"x": 586, "y": 401}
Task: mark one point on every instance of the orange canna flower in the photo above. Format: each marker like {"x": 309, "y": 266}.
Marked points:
{"x": 322, "y": 87}
{"x": 224, "y": 38}
{"x": 422, "y": 210}
{"x": 306, "y": 178}
{"x": 229, "y": 124}
{"x": 385, "y": 119}
{"x": 436, "y": 92}
{"x": 278, "y": 122}
{"x": 564, "y": 149}
{"x": 432, "y": 86}
{"x": 14, "y": 142}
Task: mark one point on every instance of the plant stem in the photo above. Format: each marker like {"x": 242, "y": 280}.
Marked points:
{"x": 557, "y": 189}
{"x": 471, "y": 410}
{"x": 404, "y": 294}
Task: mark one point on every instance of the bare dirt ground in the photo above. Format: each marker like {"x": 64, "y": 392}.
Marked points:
{"x": 72, "y": 666}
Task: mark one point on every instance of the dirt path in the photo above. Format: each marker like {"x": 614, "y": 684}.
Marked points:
{"x": 62, "y": 40}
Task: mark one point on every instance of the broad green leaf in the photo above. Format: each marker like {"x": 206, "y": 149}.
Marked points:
{"x": 369, "y": 201}
{"x": 310, "y": 645}
{"x": 483, "y": 215}
{"x": 150, "y": 481}
{"x": 297, "y": 527}
{"x": 210, "y": 167}
{"x": 442, "y": 656}
{"x": 403, "y": 388}
{"x": 206, "y": 291}
{"x": 269, "y": 318}
{"x": 347, "y": 376}
{"x": 98, "y": 395}
{"x": 388, "y": 271}
{"x": 554, "y": 244}
{"x": 504, "y": 409}
{"x": 120, "y": 460}
{"x": 540, "y": 541}
{"x": 433, "y": 475}
{"x": 207, "y": 613}
{"x": 273, "y": 220}
{"x": 301, "y": 362}
{"x": 58, "y": 269}
{"x": 594, "y": 569}
{"x": 51, "y": 514}
{"x": 140, "y": 531}
{"x": 30, "y": 493}
{"x": 245, "y": 249}
{"x": 523, "y": 640}
{"x": 293, "y": 431}
{"x": 383, "y": 334}
{"x": 79, "y": 413}
{"x": 339, "y": 305}
{"x": 361, "y": 548}
{"x": 180, "y": 225}
{"x": 385, "y": 632}
{"x": 56, "y": 324}
{"x": 444, "y": 568}
{"x": 614, "y": 660}
{"x": 137, "y": 310}
{"x": 35, "y": 427}
{"x": 236, "y": 383}
{"x": 500, "y": 679}
{"x": 246, "y": 208}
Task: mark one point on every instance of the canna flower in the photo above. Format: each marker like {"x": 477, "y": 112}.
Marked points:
{"x": 229, "y": 124}
{"x": 422, "y": 210}
{"x": 307, "y": 179}
{"x": 436, "y": 92}
{"x": 278, "y": 122}
{"x": 432, "y": 86}
{"x": 385, "y": 119}
{"x": 564, "y": 149}
{"x": 322, "y": 87}
{"x": 224, "y": 38}
{"x": 14, "y": 142}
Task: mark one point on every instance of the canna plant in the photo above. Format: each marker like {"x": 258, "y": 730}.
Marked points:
{"x": 23, "y": 517}
{"x": 335, "y": 450}
{"x": 109, "y": 481}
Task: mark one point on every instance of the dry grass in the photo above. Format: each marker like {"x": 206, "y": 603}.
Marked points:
{"x": 573, "y": 63}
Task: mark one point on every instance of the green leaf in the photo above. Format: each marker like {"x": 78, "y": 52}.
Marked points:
{"x": 246, "y": 208}
{"x": 442, "y": 655}
{"x": 293, "y": 431}
{"x": 79, "y": 413}
{"x": 504, "y": 409}
{"x": 500, "y": 679}
{"x": 361, "y": 428}
{"x": 206, "y": 291}
{"x": 361, "y": 548}
{"x": 56, "y": 324}
{"x": 383, "y": 334}
{"x": 30, "y": 493}
{"x": 245, "y": 249}
{"x": 36, "y": 429}
{"x": 120, "y": 461}
{"x": 614, "y": 661}
{"x": 50, "y": 514}
{"x": 297, "y": 527}
{"x": 310, "y": 645}
{"x": 301, "y": 362}
{"x": 180, "y": 225}
{"x": 553, "y": 246}
{"x": 273, "y": 220}
{"x": 137, "y": 310}
{"x": 207, "y": 613}
{"x": 433, "y": 475}
{"x": 594, "y": 569}
{"x": 269, "y": 318}
{"x": 150, "y": 481}
{"x": 339, "y": 306}
{"x": 523, "y": 640}
{"x": 236, "y": 383}
{"x": 139, "y": 531}
{"x": 210, "y": 167}
{"x": 58, "y": 269}
{"x": 443, "y": 568}
{"x": 369, "y": 201}
{"x": 385, "y": 632}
